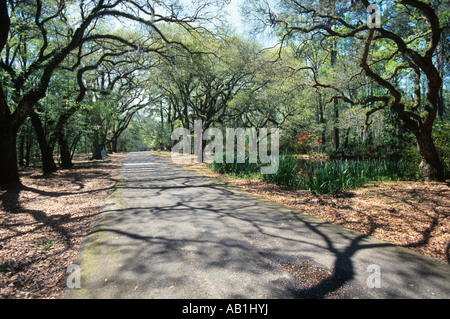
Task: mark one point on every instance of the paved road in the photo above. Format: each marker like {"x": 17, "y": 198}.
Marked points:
{"x": 176, "y": 234}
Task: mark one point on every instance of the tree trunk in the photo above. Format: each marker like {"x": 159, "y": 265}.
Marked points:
{"x": 22, "y": 149}
{"x": 334, "y": 54}
{"x": 9, "y": 172}
{"x": 431, "y": 167}
{"x": 162, "y": 145}
{"x": 96, "y": 150}
{"x": 335, "y": 128}
{"x": 28, "y": 145}
{"x": 114, "y": 145}
{"x": 64, "y": 149}
{"x": 440, "y": 57}
{"x": 347, "y": 134}
{"x": 48, "y": 163}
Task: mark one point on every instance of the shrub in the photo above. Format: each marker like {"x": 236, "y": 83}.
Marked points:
{"x": 333, "y": 176}
{"x": 287, "y": 174}
{"x": 441, "y": 135}
{"x": 238, "y": 169}
{"x": 323, "y": 177}
{"x": 411, "y": 160}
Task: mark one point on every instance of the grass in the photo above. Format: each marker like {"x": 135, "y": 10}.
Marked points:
{"x": 340, "y": 175}
{"x": 323, "y": 177}
{"x": 46, "y": 246}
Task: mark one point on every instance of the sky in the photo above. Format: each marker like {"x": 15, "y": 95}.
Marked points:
{"x": 237, "y": 21}
{"x": 235, "y": 15}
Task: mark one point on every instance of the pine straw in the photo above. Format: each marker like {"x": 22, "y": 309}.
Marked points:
{"x": 43, "y": 223}
{"x": 414, "y": 215}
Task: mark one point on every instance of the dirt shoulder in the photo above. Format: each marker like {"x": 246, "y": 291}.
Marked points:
{"x": 414, "y": 215}
{"x": 43, "y": 224}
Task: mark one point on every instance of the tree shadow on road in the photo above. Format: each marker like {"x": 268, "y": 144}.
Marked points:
{"x": 235, "y": 252}
{"x": 177, "y": 217}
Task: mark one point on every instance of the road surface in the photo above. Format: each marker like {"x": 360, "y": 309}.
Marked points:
{"x": 173, "y": 233}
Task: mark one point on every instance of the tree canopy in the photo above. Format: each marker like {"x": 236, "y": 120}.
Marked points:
{"x": 347, "y": 78}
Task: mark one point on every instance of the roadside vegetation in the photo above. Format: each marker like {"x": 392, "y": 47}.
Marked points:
{"x": 322, "y": 176}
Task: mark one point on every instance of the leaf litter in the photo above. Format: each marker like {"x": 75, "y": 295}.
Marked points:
{"x": 44, "y": 221}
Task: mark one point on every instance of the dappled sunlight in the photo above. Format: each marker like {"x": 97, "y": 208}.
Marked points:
{"x": 410, "y": 214}
{"x": 44, "y": 221}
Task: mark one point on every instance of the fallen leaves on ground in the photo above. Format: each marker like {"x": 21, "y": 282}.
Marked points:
{"x": 415, "y": 215}
{"x": 43, "y": 223}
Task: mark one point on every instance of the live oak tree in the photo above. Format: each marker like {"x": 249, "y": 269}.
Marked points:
{"x": 221, "y": 77}
{"x": 202, "y": 86}
{"x": 44, "y": 34}
{"x": 120, "y": 94}
{"x": 402, "y": 48}
{"x": 274, "y": 95}
{"x": 234, "y": 82}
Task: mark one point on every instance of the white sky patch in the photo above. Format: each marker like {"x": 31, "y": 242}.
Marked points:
{"x": 235, "y": 15}
{"x": 237, "y": 20}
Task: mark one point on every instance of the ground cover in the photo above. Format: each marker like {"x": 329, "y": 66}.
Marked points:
{"x": 44, "y": 222}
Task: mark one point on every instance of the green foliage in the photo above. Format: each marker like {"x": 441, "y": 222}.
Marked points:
{"x": 411, "y": 160}
{"x": 132, "y": 140}
{"x": 334, "y": 176}
{"x": 441, "y": 135}
{"x": 228, "y": 81}
{"x": 287, "y": 174}
{"x": 245, "y": 170}
{"x": 323, "y": 177}
{"x": 341, "y": 175}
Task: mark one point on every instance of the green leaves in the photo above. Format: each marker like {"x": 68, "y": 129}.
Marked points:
{"x": 333, "y": 176}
